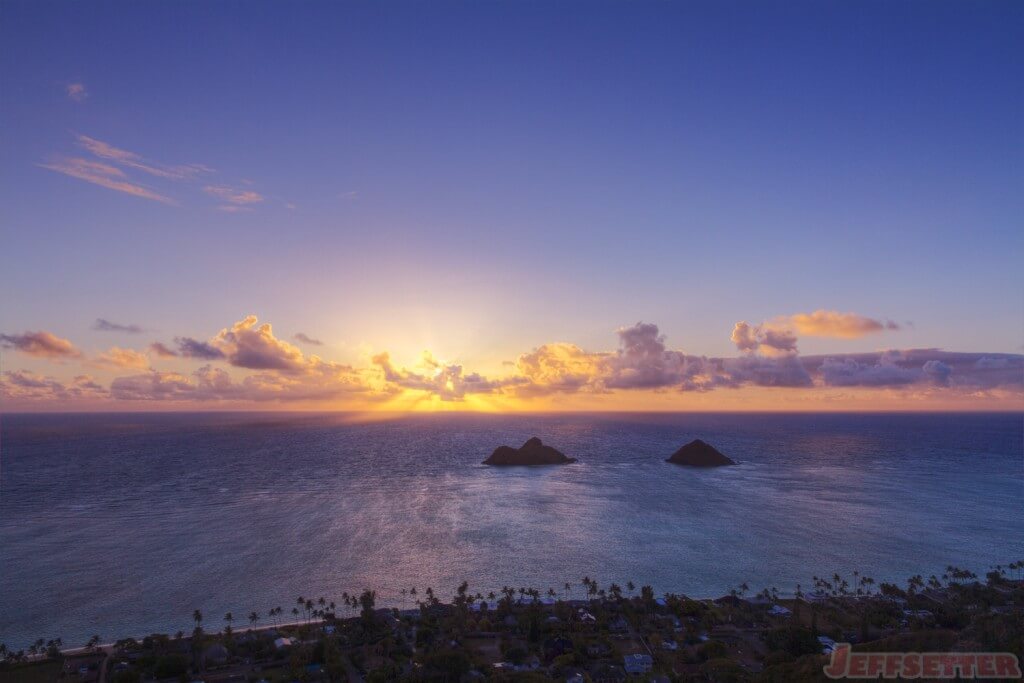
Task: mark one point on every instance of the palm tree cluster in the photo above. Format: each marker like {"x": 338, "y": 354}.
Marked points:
{"x": 836, "y": 586}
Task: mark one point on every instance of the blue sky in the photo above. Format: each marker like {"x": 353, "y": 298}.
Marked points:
{"x": 483, "y": 178}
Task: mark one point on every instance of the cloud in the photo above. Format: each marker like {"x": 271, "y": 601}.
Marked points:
{"x": 642, "y": 361}
{"x": 937, "y": 371}
{"x": 40, "y": 344}
{"x": 193, "y": 348}
{"x": 233, "y": 196}
{"x": 128, "y": 159}
{"x": 117, "y": 357}
{"x": 446, "y": 381}
{"x": 76, "y": 92}
{"x": 940, "y": 369}
{"x": 823, "y": 323}
{"x": 102, "y": 325}
{"x": 306, "y": 339}
{"x": 322, "y": 382}
{"x": 248, "y": 345}
{"x": 160, "y": 350}
{"x": 849, "y": 372}
{"x": 104, "y": 176}
{"x": 22, "y": 385}
{"x": 559, "y": 368}
{"x": 764, "y": 338}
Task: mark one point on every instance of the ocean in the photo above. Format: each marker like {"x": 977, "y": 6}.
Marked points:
{"x": 123, "y": 524}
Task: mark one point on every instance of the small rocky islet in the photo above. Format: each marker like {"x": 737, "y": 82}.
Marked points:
{"x": 699, "y": 453}
{"x": 533, "y": 452}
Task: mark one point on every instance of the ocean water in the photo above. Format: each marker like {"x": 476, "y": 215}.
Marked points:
{"x": 124, "y": 524}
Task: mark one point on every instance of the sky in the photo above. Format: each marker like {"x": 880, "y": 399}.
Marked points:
{"x": 511, "y": 205}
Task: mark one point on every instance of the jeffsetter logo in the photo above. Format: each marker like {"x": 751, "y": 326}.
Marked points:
{"x": 846, "y": 663}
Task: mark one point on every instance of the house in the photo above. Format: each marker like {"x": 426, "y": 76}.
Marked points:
{"x": 638, "y": 663}
{"x": 894, "y": 599}
{"x": 670, "y": 645}
{"x": 917, "y": 613}
{"x": 282, "y": 643}
{"x": 555, "y": 647}
{"x": 937, "y": 595}
{"x": 586, "y": 617}
{"x": 827, "y": 645}
{"x": 779, "y": 611}
{"x": 215, "y": 655}
{"x": 619, "y": 625}
{"x": 730, "y": 600}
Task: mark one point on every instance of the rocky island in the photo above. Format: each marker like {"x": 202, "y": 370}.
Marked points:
{"x": 697, "y": 453}
{"x": 533, "y": 452}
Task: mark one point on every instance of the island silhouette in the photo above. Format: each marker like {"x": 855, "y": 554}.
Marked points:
{"x": 533, "y": 452}
{"x": 698, "y": 453}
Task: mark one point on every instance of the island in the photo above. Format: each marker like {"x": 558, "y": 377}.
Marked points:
{"x": 533, "y": 452}
{"x": 697, "y": 453}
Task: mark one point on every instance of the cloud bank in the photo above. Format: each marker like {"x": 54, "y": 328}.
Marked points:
{"x": 247, "y": 362}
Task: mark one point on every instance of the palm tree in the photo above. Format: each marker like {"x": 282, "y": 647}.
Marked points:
{"x": 568, "y": 590}
{"x": 630, "y": 587}
{"x": 197, "y": 617}
{"x": 254, "y": 617}
{"x": 228, "y": 618}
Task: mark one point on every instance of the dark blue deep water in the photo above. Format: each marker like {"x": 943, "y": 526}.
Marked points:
{"x": 124, "y": 524}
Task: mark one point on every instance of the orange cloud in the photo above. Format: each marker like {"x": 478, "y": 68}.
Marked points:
{"x": 117, "y": 357}
{"x": 822, "y": 323}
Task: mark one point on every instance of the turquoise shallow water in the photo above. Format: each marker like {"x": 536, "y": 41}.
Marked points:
{"x": 124, "y": 524}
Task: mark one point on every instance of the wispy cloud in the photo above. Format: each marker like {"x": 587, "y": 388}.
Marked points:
{"x": 104, "y": 325}
{"x": 76, "y": 92}
{"x": 233, "y": 196}
{"x": 161, "y": 350}
{"x": 103, "y": 175}
{"x": 306, "y": 339}
{"x": 123, "y": 157}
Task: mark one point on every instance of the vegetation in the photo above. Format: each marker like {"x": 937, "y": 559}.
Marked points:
{"x": 586, "y": 629}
